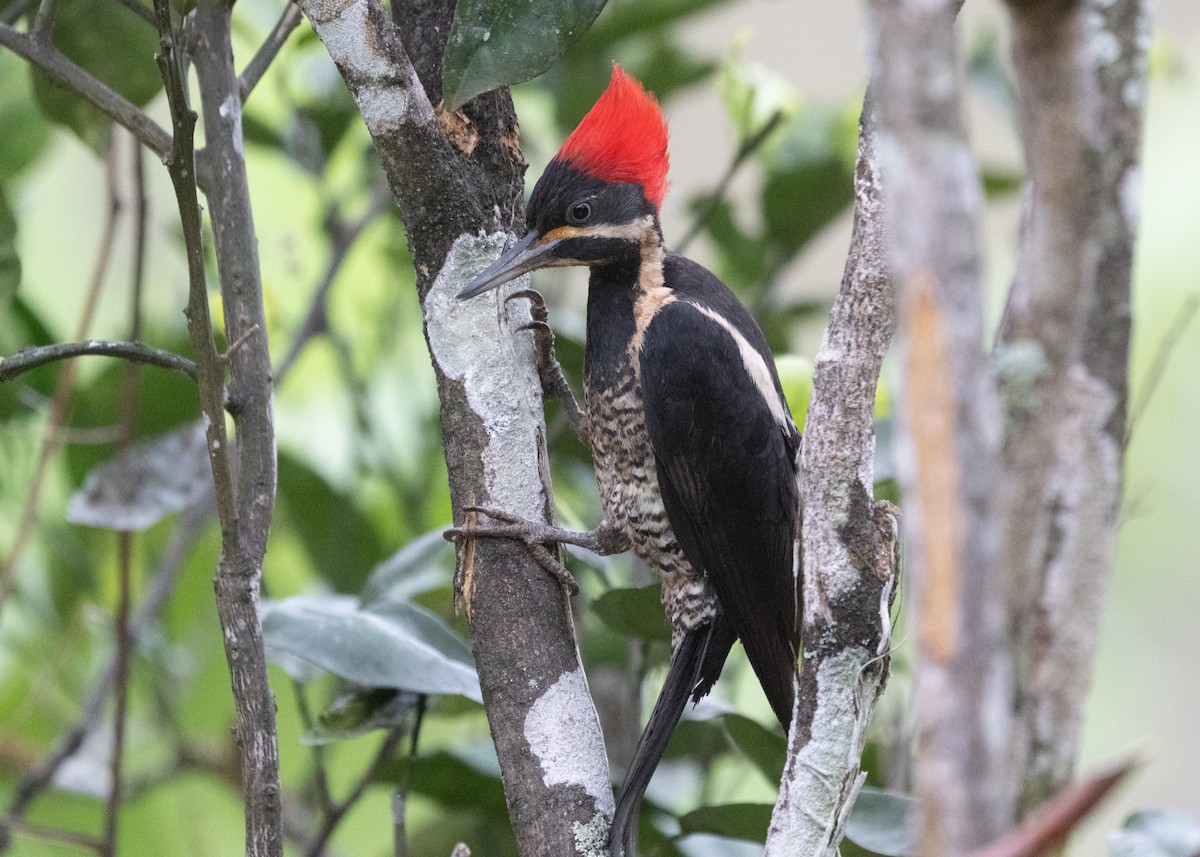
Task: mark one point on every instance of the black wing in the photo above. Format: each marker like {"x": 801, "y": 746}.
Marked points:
{"x": 727, "y": 472}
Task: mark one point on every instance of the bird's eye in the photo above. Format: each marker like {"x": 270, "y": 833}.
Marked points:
{"x": 580, "y": 212}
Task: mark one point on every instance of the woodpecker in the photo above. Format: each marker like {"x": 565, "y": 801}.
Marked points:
{"x": 694, "y": 447}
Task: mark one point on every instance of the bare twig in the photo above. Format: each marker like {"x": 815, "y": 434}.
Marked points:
{"x": 269, "y": 49}
{"x": 43, "y": 22}
{"x": 53, "y": 834}
{"x": 123, "y": 643}
{"x": 748, "y": 147}
{"x": 319, "y": 774}
{"x": 342, "y": 238}
{"x": 63, "y": 391}
{"x": 66, "y": 73}
{"x": 140, "y": 9}
{"x": 331, "y": 820}
{"x": 1158, "y": 365}
{"x": 135, "y": 352}
{"x": 245, "y": 507}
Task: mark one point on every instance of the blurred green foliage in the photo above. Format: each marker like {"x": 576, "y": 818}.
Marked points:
{"x": 358, "y": 580}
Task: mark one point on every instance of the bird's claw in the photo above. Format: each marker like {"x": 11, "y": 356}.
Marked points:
{"x": 537, "y": 303}
{"x": 533, "y": 535}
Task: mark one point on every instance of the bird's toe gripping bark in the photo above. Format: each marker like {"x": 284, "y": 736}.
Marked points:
{"x": 533, "y": 534}
{"x": 554, "y": 381}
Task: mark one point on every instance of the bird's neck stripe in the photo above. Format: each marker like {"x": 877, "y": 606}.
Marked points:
{"x": 755, "y": 366}
{"x": 653, "y": 295}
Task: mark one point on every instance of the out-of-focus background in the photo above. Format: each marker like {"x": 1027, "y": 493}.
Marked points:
{"x": 361, "y": 472}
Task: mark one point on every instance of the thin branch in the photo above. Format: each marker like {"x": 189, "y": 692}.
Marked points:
{"x": 14, "y": 11}
{"x": 63, "y": 392}
{"x": 342, "y": 238}
{"x": 748, "y": 147}
{"x": 135, "y": 352}
{"x": 1158, "y": 365}
{"x": 331, "y": 820}
{"x": 53, "y": 834}
{"x": 43, "y": 22}
{"x": 66, "y": 73}
{"x": 123, "y": 642}
{"x": 400, "y": 798}
{"x": 245, "y": 507}
{"x": 269, "y": 49}
{"x": 319, "y": 774}
{"x": 140, "y": 9}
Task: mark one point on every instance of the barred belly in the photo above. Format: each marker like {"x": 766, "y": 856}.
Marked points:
{"x": 628, "y": 480}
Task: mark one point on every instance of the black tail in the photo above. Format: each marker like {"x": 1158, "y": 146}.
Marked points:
{"x": 696, "y": 662}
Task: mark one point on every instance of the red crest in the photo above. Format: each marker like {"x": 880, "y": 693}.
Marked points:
{"x": 623, "y": 138}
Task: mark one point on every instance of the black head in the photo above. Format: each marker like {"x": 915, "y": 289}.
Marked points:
{"x": 575, "y": 219}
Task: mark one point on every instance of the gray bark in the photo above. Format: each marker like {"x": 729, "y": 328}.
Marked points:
{"x": 949, "y": 438}
{"x": 1063, "y": 357}
{"x": 850, "y": 545}
{"x": 458, "y": 181}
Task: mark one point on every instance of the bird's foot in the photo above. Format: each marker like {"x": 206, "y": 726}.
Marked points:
{"x": 554, "y": 381}
{"x": 534, "y": 534}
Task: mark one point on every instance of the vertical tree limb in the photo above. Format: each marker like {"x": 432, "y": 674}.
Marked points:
{"x": 250, "y": 401}
{"x": 460, "y": 207}
{"x": 850, "y": 544}
{"x": 243, "y": 508}
{"x": 1063, "y": 356}
{"x": 949, "y": 432}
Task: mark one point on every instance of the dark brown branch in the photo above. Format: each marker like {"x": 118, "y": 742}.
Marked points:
{"x": 66, "y": 73}
{"x": 342, "y": 238}
{"x": 460, "y": 209}
{"x": 269, "y": 49}
{"x": 140, "y": 9}
{"x": 135, "y": 352}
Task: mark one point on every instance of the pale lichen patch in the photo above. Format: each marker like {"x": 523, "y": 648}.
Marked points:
{"x": 475, "y": 342}
{"x": 563, "y": 732}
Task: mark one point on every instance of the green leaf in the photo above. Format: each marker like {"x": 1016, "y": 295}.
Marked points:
{"x": 879, "y": 822}
{"x": 145, "y": 483}
{"x": 336, "y": 534}
{"x": 421, "y": 565}
{"x": 115, "y": 46}
{"x": 634, "y": 612}
{"x": 395, "y": 644}
{"x": 456, "y": 783}
{"x": 1156, "y": 833}
{"x": 735, "y": 821}
{"x": 765, "y": 748}
{"x": 10, "y": 262}
{"x": 495, "y": 43}
{"x": 28, "y": 131}
{"x": 359, "y": 711}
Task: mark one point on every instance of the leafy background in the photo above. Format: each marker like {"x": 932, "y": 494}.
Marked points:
{"x": 355, "y": 553}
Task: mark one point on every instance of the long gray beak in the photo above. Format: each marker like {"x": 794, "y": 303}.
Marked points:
{"x": 525, "y": 256}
